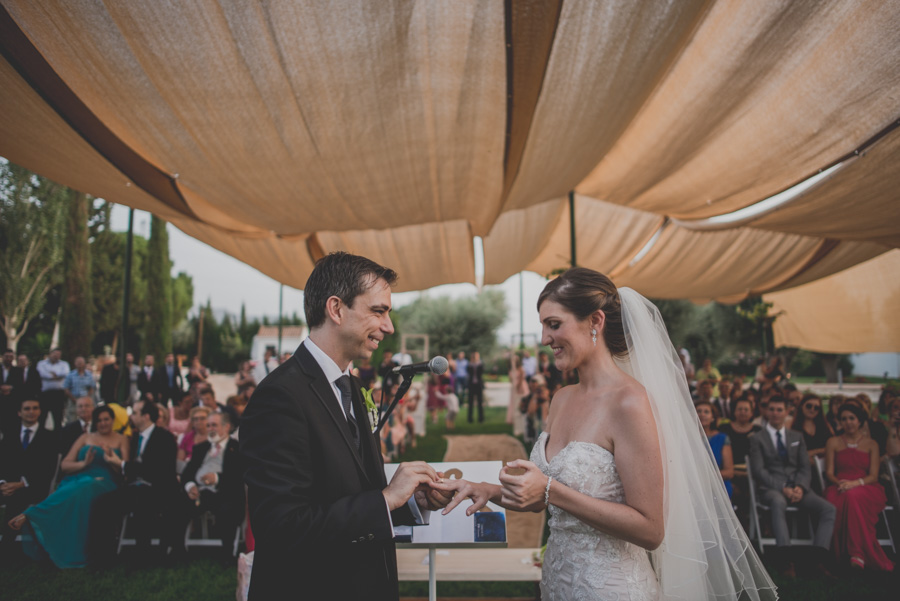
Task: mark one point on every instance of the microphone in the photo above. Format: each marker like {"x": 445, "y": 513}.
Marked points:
{"x": 437, "y": 365}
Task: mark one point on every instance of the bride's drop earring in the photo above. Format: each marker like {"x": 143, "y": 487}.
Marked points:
{"x": 594, "y": 336}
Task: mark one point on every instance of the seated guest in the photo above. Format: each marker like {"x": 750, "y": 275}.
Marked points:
{"x": 870, "y": 427}
{"x": 79, "y": 383}
{"x": 704, "y": 392}
{"x": 152, "y": 487}
{"x": 851, "y": 466}
{"x": 873, "y": 426}
{"x": 740, "y": 429}
{"x": 780, "y": 466}
{"x": 213, "y": 480}
{"x": 84, "y": 410}
{"x": 208, "y": 399}
{"x": 10, "y": 386}
{"x": 710, "y": 373}
{"x": 237, "y": 402}
{"x": 27, "y": 464}
{"x": 244, "y": 377}
{"x": 885, "y": 399}
{"x": 718, "y": 442}
{"x": 892, "y": 449}
{"x": 58, "y": 526}
{"x": 834, "y": 405}
{"x": 811, "y": 423}
{"x": 163, "y": 419}
{"x": 724, "y": 403}
{"x": 180, "y": 417}
{"x": 194, "y": 436}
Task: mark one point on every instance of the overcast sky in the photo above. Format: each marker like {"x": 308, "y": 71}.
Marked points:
{"x": 230, "y": 283}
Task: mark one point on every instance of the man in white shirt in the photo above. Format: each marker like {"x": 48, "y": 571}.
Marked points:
{"x": 781, "y": 470}
{"x": 212, "y": 480}
{"x": 321, "y": 508}
{"x": 263, "y": 368}
{"x": 529, "y": 364}
{"x": 84, "y": 407}
{"x": 53, "y": 371}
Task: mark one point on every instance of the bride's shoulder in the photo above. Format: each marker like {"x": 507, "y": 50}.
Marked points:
{"x": 632, "y": 398}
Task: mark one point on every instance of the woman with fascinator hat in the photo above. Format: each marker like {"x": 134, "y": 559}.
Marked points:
{"x": 637, "y": 505}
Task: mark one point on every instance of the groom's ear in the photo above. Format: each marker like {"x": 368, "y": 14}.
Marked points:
{"x": 334, "y": 310}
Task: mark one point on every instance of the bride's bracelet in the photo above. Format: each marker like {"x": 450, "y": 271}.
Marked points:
{"x": 547, "y": 491}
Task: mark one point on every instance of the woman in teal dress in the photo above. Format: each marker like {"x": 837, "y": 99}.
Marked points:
{"x": 58, "y": 526}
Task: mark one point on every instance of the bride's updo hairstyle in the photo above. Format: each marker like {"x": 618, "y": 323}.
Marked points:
{"x": 582, "y": 291}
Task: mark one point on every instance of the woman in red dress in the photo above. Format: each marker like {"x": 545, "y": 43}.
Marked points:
{"x": 851, "y": 465}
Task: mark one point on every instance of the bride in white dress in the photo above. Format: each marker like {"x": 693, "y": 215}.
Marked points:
{"x": 638, "y": 508}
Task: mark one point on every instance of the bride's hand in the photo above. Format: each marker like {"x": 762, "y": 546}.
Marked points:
{"x": 523, "y": 492}
{"x": 462, "y": 490}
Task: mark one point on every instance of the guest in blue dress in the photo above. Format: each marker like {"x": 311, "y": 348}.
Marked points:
{"x": 57, "y": 528}
{"x": 718, "y": 442}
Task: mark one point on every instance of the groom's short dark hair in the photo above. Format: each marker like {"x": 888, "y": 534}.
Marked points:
{"x": 342, "y": 275}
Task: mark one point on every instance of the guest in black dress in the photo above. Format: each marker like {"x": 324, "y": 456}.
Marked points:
{"x": 811, "y": 423}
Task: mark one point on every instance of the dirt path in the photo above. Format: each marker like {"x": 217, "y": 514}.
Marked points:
{"x": 524, "y": 530}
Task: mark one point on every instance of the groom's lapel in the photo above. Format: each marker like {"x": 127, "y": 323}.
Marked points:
{"x": 322, "y": 391}
{"x": 370, "y": 446}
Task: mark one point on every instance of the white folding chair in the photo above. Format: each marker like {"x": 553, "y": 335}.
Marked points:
{"x": 203, "y": 540}
{"x": 755, "y": 527}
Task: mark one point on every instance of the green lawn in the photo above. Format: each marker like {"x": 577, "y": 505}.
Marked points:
{"x": 204, "y": 579}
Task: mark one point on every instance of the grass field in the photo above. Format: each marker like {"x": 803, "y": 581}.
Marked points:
{"x": 205, "y": 580}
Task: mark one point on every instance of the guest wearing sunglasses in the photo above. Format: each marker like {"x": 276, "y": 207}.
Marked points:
{"x": 811, "y": 423}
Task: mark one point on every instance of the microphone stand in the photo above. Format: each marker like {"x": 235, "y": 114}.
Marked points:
{"x": 402, "y": 390}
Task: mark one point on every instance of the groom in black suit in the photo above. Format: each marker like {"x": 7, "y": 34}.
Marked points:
{"x": 320, "y": 507}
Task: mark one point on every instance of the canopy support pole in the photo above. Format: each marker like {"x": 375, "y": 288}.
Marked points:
{"x": 572, "y": 226}
{"x": 280, "y": 317}
{"x": 123, "y": 385}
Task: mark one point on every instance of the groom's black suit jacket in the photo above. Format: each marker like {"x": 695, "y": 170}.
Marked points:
{"x": 316, "y": 509}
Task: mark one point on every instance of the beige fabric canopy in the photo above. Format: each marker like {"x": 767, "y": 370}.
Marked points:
{"x": 817, "y": 315}
{"x": 400, "y": 129}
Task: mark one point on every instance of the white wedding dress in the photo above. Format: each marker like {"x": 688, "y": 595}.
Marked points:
{"x": 581, "y": 563}
{"x": 705, "y": 553}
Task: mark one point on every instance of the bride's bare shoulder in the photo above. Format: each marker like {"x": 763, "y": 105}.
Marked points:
{"x": 632, "y": 399}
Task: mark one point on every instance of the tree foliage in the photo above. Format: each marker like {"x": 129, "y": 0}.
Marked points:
{"x": 32, "y": 217}
{"x": 461, "y": 324}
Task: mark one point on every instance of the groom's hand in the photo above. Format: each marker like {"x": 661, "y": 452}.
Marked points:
{"x": 431, "y": 498}
{"x": 408, "y": 478}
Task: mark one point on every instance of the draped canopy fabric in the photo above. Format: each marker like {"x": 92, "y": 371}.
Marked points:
{"x": 278, "y": 131}
{"x": 823, "y": 315}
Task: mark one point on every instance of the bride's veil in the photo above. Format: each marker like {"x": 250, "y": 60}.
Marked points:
{"x": 705, "y": 553}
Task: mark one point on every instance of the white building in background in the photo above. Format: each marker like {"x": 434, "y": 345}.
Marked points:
{"x": 291, "y": 337}
{"x": 876, "y": 364}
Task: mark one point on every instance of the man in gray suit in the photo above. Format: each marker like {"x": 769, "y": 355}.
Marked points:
{"x": 781, "y": 469}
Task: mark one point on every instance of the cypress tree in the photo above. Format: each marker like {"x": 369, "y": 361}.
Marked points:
{"x": 158, "y": 333}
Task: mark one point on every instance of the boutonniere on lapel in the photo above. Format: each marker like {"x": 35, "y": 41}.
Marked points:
{"x": 371, "y": 408}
